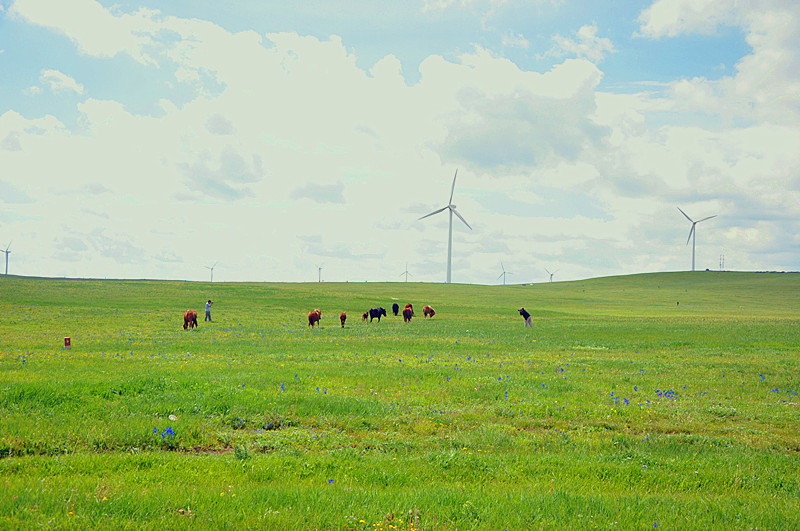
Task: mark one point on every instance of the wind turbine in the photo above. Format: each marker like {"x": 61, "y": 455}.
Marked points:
{"x": 450, "y": 206}
{"x": 406, "y": 273}
{"x": 693, "y": 232}
{"x": 319, "y": 273}
{"x": 7, "y": 253}
{"x": 551, "y": 274}
{"x": 504, "y": 273}
{"x": 212, "y": 270}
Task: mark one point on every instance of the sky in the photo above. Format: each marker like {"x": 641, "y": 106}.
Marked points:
{"x": 298, "y": 141}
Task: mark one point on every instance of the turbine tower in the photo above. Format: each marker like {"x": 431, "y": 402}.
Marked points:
{"x": 452, "y": 208}
{"x": 693, "y": 232}
{"x": 551, "y": 274}
{"x": 406, "y": 273}
{"x": 319, "y": 273}
{"x": 7, "y": 253}
{"x": 504, "y": 273}
{"x": 212, "y": 270}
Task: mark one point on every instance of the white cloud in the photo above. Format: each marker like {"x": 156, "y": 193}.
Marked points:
{"x": 669, "y": 18}
{"x": 95, "y": 30}
{"x": 515, "y": 40}
{"x": 59, "y": 82}
{"x": 766, "y": 83}
{"x": 585, "y": 44}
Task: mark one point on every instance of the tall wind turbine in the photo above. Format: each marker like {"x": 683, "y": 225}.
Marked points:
{"x": 7, "y": 253}
{"x": 212, "y": 270}
{"x": 406, "y": 273}
{"x": 551, "y": 274}
{"x": 452, "y": 208}
{"x": 693, "y": 232}
{"x": 319, "y": 273}
{"x": 504, "y": 273}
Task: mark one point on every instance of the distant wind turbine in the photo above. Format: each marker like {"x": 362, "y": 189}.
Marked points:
{"x": 319, "y": 273}
{"x": 504, "y": 273}
{"x": 693, "y": 232}
{"x": 406, "y": 273}
{"x": 212, "y": 270}
{"x": 7, "y": 253}
{"x": 452, "y": 208}
{"x": 551, "y": 274}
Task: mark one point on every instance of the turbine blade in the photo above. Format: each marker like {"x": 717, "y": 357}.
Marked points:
{"x": 501, "y": 274}
{"x": 684, "y": 213}
{"x": 453, "y": 188}
{"x": 459, "y": 217}
{"x": 432, "y": 213}
{"x": 709, "y": 217}
{"x": 548, "y": 272}
{"x": 690, "y": 234}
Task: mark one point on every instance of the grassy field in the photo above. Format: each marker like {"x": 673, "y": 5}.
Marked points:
{"x": 639, "y": 402}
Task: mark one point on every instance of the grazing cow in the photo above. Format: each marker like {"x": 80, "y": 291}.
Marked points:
{"x": 395, "y": 308}
{"x": 189, "y": 319}
{"x": 427, "y": 311}
{"x": 364, "y": 316}
{"x": 343, "y": 318}
{"x": 408, "y": 313}
{"x": 409, "y": 306}
{"x": 376, "y": 312}
{"x": 313, "y": 318}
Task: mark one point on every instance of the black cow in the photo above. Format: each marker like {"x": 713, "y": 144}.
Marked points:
{"x": 376, "y": 312}
{"x": 395, "y": 308}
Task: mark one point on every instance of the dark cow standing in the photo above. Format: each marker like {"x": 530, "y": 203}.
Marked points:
{"x": 189, "y": 319}
{"x": 427, "y": 311}
{"x": 408, "y": 313}
{"x": 343, "y": 318}
{"x": 313, "y": 318}
{"x": 376, "y": 312}
{"x": 395, "y": 308}
{"x": 364, "y": 316}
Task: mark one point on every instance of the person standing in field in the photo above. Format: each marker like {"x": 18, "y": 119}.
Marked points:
{"x": 525, "y": 315}
{"x": 208, "y": 310}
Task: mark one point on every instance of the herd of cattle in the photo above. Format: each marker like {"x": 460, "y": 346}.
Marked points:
{"x": 190, "y": 316}
{"x": 314, "y": 316}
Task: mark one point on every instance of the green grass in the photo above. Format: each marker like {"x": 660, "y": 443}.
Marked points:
{"x": 663, "y": 399}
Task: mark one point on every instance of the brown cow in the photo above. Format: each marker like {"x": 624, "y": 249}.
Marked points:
{"x": 410, "y": 306}
{"x": 408, "y": 313}
{"x": 364, "y": 316}
{"x": 313, "y": 317}
{"x": 427, "y": 311}
{"x": 189, "y": 319}
{"x": 343, "y": 318}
